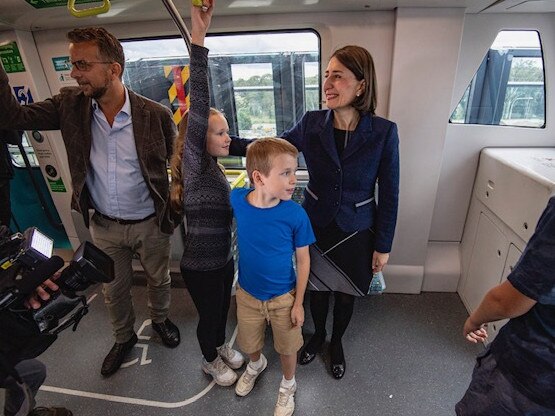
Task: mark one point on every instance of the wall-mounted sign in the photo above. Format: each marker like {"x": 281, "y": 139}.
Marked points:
{"x": 61, "y": 63}
{"x": 41, "y": 4}
{"x": 65, "y": 78}
{"x": 11, "y": 58}
{"x": 56, "y": 185}
{"x": 23, "y": 94}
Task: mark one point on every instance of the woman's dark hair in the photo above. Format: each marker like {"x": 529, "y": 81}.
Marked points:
{"x": 359, "y": 61}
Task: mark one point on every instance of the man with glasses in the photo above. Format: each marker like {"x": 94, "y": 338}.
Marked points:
{"x": 118, "y": 144}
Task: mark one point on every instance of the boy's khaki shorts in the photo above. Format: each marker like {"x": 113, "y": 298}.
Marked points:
{"x": 252, "y": 315}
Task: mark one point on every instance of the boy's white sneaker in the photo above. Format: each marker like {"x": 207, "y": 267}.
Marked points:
{"x": 248, "y": 378}
{"x": 285, "y": 405}
{"x": 222, "y": 374}
{"x": 233, "y": 358}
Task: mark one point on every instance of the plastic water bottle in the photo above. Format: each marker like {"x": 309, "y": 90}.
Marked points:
{"x": 377, "y": 284}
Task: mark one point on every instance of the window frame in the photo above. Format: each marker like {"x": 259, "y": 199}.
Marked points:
{"x": 483, "y": 84}
{"x": 283, "y": 70}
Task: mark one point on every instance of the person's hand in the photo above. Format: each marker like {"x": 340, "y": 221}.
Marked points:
{"x": 297, "y": 315}
{"x": 200, "y": 20}
{"x": 474, "y": 332}
{"x": 379, "y": 260}
{"x": 34, "y": 301}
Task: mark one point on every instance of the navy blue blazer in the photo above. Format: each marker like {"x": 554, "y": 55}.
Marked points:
{"x": 344, "y": 188}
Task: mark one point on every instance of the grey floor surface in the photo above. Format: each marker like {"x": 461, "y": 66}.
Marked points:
{"x": 405, "y": 356}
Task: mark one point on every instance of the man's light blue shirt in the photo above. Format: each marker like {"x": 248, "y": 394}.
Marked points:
{"x": 115, "y": 181}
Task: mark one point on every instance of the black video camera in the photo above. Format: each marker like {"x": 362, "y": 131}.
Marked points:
{"x": 26, "y": 261}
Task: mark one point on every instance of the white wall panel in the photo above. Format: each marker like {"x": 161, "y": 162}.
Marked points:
{"x": 424, "y": 64}
{"x": 464, "y": 142}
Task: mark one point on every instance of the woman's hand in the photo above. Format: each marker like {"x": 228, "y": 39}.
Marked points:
{"x": 379, "y": 260}
{"x": 200, "y": 20}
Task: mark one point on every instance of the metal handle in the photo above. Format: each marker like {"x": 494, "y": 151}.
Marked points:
{"x": 91, "y": 11}
{"x": 176, "y": 17}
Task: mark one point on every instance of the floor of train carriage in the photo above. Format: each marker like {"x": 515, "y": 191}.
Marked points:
{"x": 405, "y": 356}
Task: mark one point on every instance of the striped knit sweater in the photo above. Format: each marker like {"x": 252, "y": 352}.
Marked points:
{"x": 208, "y": 213}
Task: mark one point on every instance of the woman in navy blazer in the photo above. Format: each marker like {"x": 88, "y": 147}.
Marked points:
{"x": 347, "y": 151}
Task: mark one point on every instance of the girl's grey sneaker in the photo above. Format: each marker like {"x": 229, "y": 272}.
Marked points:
{"x": 248, "y": 378}
{"x": 234, "y": 359}
{"x": 222, "y": 374}
{"x": 285, "y": 405}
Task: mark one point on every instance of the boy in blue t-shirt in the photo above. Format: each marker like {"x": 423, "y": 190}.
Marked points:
{"x": 271, "y": 228}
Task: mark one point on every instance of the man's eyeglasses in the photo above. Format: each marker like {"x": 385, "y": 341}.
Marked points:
{"x": 86, "y": 65}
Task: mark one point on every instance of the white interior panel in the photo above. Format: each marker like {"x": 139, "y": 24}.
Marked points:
{"x": 420, "y": 93}
{"x": 464, "y": 142}
{"x": 516, "y": 184}
{"x": 487, "y": 263}
{"x": 442, "y": 269}
{"x": 512, "y": 187}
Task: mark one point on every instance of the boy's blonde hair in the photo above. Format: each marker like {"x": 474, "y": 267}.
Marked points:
{"x": 261, "y": 153}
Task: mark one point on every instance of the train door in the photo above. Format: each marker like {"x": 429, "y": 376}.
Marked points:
{"x": 31, "y": 202}
{"x": 41, "y": 188}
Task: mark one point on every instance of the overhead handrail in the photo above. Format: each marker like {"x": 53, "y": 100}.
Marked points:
{"x": 91, "y": 11}
{"x": 176, "y": 17}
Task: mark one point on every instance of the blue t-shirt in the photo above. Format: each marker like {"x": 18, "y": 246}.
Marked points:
{"x": 525, "y": 346}
{"x": 267, "y": 240}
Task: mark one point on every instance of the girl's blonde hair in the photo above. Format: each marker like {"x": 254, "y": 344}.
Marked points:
{"x": 176, "y": 163}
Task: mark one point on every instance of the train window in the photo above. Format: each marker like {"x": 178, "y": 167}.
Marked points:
{"x": 18, "y": 159}
{"x": 508, "y": 89}
{"x": 262, "y": 82}
{"x": 253, "y": 86}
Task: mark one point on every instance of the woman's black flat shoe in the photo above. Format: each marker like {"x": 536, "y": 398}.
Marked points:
{"x": 337, "y": 359}
{"x": 313, "y": 347}
{"x": 306, "y": 357}
{"x": 338, "y": 370}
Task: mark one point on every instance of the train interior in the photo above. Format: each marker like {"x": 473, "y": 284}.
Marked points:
{"x": 466, "y": 81}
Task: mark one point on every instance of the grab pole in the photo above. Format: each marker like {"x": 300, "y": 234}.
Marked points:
{"x": 176, "y": 17}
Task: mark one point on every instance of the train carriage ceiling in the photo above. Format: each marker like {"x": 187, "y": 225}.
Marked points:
{"x": 33, "y": 15}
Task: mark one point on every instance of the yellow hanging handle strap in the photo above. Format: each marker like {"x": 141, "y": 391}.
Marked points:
{"x": 91, "y": 11}
{"x": 239, "y": 182}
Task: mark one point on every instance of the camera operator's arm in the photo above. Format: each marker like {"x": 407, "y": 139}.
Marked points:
{"x": 34, "y": 301}
{"x": 11, "y": 136}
